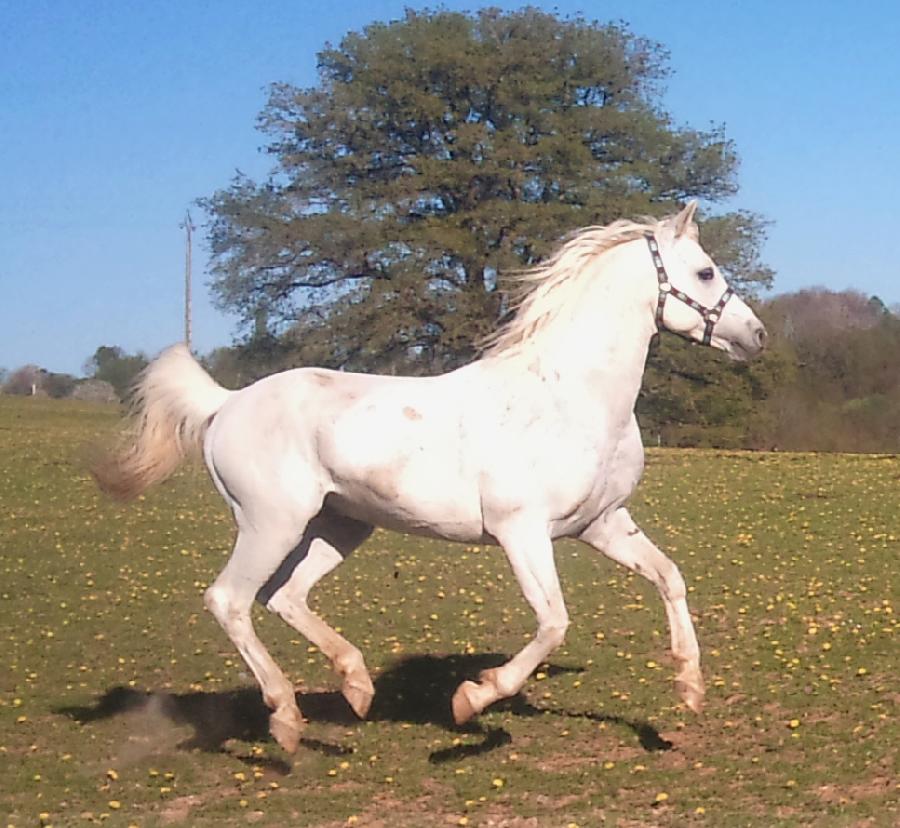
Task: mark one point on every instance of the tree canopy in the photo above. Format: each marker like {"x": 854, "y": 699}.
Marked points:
{"x": 437, "y": 155}
{"x": 113, "y": 365}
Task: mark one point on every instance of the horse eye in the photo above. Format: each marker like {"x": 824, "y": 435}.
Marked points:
{"x": 707, "y": 274}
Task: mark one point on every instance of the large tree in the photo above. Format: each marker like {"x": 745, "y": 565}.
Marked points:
{"x": 439, "y": 154}
{"x": 113, "y": 365}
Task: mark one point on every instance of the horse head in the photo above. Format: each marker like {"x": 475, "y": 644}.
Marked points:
{"x": 705, "y": 309}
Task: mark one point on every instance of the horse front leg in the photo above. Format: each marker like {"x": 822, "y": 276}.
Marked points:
{"x": 619, "y": 538}
{"x": 530, "y": 552}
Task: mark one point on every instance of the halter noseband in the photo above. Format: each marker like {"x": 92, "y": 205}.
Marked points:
{"x": 710, "y": 315}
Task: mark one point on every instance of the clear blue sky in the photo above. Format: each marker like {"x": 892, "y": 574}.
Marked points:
{"x": 115, "y": 115}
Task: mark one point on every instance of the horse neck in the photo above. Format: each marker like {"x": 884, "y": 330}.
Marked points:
{"x": 601, "y": 350}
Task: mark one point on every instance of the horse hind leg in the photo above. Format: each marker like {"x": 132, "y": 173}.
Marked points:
{"x": 328, "y": 540}
{"x": 257, "y": 554}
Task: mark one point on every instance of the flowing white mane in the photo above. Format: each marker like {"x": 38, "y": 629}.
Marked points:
{"x": 552, "y": 289}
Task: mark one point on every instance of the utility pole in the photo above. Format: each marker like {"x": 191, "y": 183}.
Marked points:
{"x": 188, "y": 229}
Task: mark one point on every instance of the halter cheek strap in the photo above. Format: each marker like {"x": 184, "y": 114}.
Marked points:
{"x": 710, "y": 315}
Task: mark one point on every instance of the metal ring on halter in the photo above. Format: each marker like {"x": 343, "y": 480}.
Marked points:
{"x": 710, "y": 316}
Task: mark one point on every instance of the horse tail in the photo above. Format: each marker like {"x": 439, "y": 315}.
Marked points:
{"x": 173, "y": 403}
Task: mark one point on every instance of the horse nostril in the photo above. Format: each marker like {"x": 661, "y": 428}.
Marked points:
{"x": 761, "y": 337}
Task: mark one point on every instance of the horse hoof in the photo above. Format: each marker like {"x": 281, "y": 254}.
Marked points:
{"x": 286, "y": 726}
{"x": 463, "y": 706}
{"x": 692, "y": 696}
{"x": 359, "y": 698}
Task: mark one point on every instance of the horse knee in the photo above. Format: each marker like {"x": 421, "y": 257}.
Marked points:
{"x": 505, "y": 685}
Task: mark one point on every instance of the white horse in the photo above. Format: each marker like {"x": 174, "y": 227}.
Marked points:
{"x": 537, "y": 440}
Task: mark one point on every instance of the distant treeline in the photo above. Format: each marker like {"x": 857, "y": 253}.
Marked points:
{"x": 828, "y": 382}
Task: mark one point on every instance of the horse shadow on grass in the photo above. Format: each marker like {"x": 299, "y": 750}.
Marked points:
{"x": 414, "y": 690}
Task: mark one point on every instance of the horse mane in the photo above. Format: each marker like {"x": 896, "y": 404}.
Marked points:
{"x": 552, "y": 289}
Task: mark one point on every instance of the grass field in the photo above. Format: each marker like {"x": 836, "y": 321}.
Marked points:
{"x": 122, "y": 703}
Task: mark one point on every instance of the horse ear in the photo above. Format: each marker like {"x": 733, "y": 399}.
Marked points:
{"x": 684, "y": 222}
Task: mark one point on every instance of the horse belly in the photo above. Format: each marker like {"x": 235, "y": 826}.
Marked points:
{"x": 409, "y": 486}
{"x": 419, "y": 513}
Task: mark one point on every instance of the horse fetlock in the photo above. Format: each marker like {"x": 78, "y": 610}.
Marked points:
{"x": 281, "y": 697}
{"x": 496, "y": 678}
{"x": 350, "y": 664}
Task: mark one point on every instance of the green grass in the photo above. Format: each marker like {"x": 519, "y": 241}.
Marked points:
{"x": 121, "y": 701}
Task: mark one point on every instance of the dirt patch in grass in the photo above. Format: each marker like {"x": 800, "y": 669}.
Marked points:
{"x": 178, "y": 810}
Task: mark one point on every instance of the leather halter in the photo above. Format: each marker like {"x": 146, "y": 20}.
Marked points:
{"x": 710, "y": 315}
